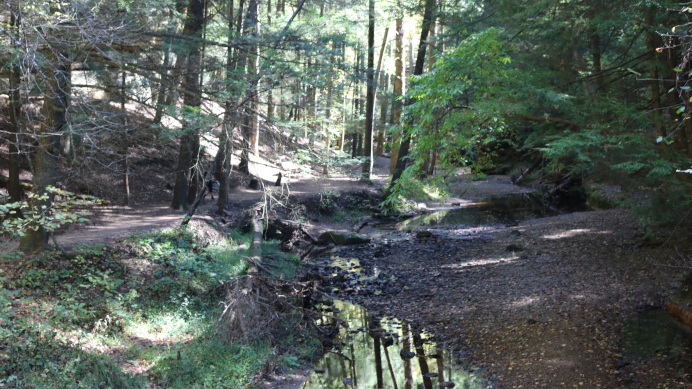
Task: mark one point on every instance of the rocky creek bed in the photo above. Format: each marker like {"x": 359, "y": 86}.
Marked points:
{"x": 541, "y": 304}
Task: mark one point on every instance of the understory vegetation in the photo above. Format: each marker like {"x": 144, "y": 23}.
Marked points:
{"x": 144, "y": 311}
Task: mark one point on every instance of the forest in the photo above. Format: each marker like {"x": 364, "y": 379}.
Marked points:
{"x": 331, "y": 193}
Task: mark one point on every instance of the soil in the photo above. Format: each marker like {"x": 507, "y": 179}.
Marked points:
{"x": 545, "y": 314}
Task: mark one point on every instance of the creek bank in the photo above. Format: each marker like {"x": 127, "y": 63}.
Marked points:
{"x": 549, "y": 314}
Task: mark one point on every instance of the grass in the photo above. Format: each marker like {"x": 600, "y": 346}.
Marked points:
{"x": 143, "y": 314}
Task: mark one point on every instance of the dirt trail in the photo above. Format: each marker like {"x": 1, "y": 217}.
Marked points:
{"x": 110, "y": 223}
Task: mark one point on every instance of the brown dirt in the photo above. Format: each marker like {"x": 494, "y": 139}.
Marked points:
{"x": 545, "y": 317}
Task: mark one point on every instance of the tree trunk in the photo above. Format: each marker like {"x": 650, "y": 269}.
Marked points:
{"x": 655, "y": 86}
{"x": 370, "y": 93}
{"x": 193, "y": 28}
{"x": 161, "y": 97}
{"x": 384, "y": 80}
{"x": 398, "y": 89}
{"x": 223, "y": 167}
{"x": 194, "y": 171}
{"x": 46, "y": 160}
{"x": 125, "y": 140}
{"x": 248, "y": 116}
{"x": 253, "y": 71}
{"x": 418, "y": 70}
{"x": 14, "y": 187}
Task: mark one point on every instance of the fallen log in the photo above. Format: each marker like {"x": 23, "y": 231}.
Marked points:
{"x": 534, "y": 166}
{"x": 566, "y": 182}
{"x": 257, "y": 265}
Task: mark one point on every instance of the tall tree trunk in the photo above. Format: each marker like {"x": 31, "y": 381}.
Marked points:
{"x": 193, "y": 28}
{"x": 125, "y": 141}
{"x": 248, "y": 116}
{"x": 398, "y": 89}
{"x": 161, "y": 97}
{"x": 14, "y": 188}
{"x": 328, "y": 117}
{"x": 230, "y": 118}
{"x": 172, "y": 96}
{"x": 253, "y": 71}
{"x": 194, "y": 171}
{"x": 47, "y": 154}
{"x": 653, "y": 74}
{"x": 595, "y": 43}
{"x": 425, "y": 167}
{"x": 384, "y": 81}
{"x": 418, "y": 70}
{"x": 370, "y": 85}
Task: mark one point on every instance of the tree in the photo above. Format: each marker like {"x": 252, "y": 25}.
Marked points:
{"x": 398, "y": 87}
{"x": 191, "y": 103}
{"x": 370, "y": 87}
{"x": 418, "y": 70}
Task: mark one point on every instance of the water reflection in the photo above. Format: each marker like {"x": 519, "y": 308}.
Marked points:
{"x": 506, "y": 209}
{"x": 655, "y": 332}
{"x": 370, "y": 354}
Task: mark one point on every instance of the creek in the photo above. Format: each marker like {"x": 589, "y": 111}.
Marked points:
{"x": 508, "y": 209}
{"x": 386, "y": 353}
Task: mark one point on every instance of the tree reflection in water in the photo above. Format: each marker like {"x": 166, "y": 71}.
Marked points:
{"x": 359, "y": 356}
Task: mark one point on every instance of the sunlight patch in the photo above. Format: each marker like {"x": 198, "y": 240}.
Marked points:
{"x": 567, "y": 234}
{"x": 483, "y": 262}
{"x": 522, "y": 302}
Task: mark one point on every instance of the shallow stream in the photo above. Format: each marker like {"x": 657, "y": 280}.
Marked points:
{"x": 508, "y": 209}
{"x": 370, "y": 354}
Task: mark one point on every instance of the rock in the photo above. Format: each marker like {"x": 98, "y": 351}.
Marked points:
{"x": 379, "y": 254}
{"x": 424, "y": 234}
{"x": 514, "y": 247}
{"x": 447, "y": 384}
{"x": 515, "y": 233}
{"x": 331, "y": 246}
{"x": 430, "y": 375}
{"x": 341, "y": 239}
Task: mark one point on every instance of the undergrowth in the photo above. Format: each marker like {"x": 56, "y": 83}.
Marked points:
{"x": 134, "y": 316}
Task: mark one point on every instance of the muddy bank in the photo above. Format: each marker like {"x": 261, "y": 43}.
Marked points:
{"x": 540, "y": 304}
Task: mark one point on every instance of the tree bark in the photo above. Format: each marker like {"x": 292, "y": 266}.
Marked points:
{"x": 230, "y": 118}
{"x": 253, "y": 71}
{"x": 14, "y": 188}
{"x": 247, "y": 125}
{"x": 47, "y": 154}
{"x": 193, "y": 28}
{"x": 398, "y": 89}
{"x": 384, "y": 81}
{"x": 370, "y": 95}
{"x": 653, "y": 74}
{"x": 418, "y": 70}
{"x": 125, "y": 140}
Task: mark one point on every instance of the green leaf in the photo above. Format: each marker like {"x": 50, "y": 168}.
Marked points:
{"x": 678, "y": 70}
